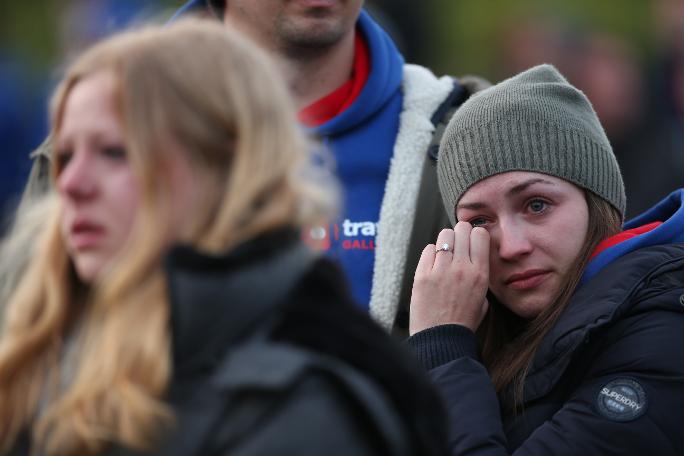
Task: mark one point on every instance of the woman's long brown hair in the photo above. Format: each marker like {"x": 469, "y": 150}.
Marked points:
{"x": 509, "y": 343}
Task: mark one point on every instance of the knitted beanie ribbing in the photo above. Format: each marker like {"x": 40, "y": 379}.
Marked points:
{"x": 535, "y": 121}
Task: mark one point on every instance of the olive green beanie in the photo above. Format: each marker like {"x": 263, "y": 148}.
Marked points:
{"x": 535, "y": 121}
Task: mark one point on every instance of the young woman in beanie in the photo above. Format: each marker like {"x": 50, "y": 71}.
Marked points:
{"x": 170, "y": 307}
{"x": 549, "y": 327}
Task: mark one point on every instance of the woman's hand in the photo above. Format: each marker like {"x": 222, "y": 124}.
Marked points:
{"x": 450, "y": 284}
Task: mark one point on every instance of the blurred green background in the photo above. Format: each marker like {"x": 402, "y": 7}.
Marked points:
{"x": 625, "y": 54}
{"x": 464, "y": 33}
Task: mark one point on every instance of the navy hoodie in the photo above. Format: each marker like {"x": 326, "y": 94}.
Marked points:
{"x": 361, "y": 139}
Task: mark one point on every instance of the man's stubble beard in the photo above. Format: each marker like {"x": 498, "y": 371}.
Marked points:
{"x": 304, "y": 44}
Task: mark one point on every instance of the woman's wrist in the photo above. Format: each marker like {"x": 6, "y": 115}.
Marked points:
{"x": 441, "y": 344}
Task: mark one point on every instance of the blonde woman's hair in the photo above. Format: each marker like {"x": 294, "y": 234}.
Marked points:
{"x": 216, "y": 95}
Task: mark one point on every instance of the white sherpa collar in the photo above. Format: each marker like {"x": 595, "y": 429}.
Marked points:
{"x": 423, "y": 94}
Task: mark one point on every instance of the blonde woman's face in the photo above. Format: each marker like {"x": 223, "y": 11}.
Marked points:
{"x": 97, "y": 185}
{"x": 537, "y": 225}
{"x": 95, "y": 181}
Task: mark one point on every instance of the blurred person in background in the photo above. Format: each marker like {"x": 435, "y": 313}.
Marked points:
{"x": 82, "y": 22}
{"x": 169, "y": 306}
{"x": 609, "y": 73}
{"x": 640, "y": 121}
{"x": 549, "y": 328}
{"x": 22, "y": 125}
{"x": 528, "y": 41}
{"x": 352, "y": 88}
{"x": 664, "y": 144}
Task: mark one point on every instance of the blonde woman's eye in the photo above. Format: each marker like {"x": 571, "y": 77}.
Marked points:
{"x": 114, "y": 152}
{"x": 63, "y": 158}
{"x": 537, "y": 205}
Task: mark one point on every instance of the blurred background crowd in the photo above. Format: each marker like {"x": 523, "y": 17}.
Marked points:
{"x": 626, "y": 55}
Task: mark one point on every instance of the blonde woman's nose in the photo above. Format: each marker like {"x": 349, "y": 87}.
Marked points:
{"x": 76, "y": 179}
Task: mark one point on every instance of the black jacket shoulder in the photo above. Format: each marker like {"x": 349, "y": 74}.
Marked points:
{"x": 271, "y": 356}
{"x": 607, "y": 379}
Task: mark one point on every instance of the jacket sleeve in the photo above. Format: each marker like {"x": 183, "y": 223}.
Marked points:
{"x": 645, "y": 349}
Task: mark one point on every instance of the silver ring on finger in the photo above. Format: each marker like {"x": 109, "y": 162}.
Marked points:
{"x": 443, "y": 248}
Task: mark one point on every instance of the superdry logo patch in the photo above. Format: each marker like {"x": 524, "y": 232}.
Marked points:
{"x": 622, "y": 399}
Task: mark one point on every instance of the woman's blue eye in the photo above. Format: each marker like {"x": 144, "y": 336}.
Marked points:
{"x": 537, "y": 205}
{"x": 477, "y": 221}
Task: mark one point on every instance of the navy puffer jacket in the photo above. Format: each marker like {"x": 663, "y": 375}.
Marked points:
{"x": 608, "y": 379}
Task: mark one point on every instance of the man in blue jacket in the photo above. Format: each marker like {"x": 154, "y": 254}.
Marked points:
{"x": 377, "y": 115}
{"x": 353, "y": 89}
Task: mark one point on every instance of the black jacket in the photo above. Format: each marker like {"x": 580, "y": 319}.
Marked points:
{"x": 310, "y": 309}
{"x": 608, "y": 379}
{"x": 316, "y": 313}
{"x": 220, "y": 305}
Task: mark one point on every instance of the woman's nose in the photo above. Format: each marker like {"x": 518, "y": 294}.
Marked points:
{"x": 513, "y": 240}
{"x": 76, "y": 180}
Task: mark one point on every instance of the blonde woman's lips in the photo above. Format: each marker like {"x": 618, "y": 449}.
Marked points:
{"x": 86, "y": 234}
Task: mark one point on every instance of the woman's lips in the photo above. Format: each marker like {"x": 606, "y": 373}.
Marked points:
{"x": 86, "y": 235}
{"x": 527, "y": 280}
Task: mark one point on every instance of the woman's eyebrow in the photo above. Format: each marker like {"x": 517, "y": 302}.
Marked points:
{"x": 471, "y": 206}
{"x": 523, "y": 185}
{"x": 515, "y": 190}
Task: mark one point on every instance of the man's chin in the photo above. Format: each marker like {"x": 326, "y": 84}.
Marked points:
{"x": 312, "y": 33}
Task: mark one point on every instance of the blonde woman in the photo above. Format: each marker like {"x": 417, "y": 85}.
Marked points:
{"x": 238, "y": 340}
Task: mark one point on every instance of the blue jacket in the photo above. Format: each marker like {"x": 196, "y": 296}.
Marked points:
{"x": 379, "y": 145}
{"x": 607, "y": 379}
{"x": 361, "y": 139}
